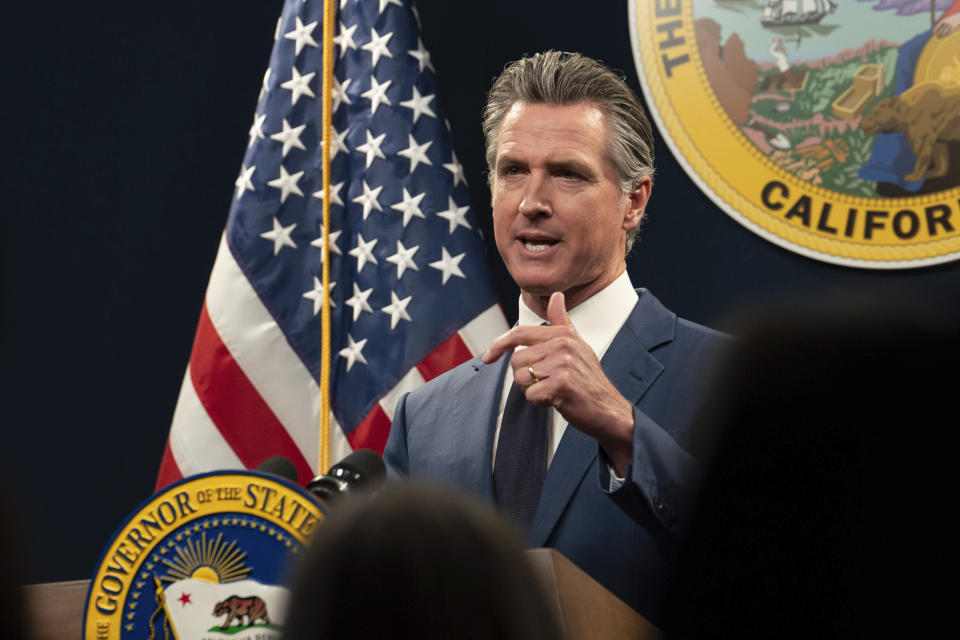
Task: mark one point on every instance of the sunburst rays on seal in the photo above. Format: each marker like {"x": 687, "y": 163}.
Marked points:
{"x": 209, "y": 560}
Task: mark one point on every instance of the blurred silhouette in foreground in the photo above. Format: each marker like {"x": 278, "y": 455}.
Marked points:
{"x": 12, "y": 552}
{"x": 417, "y": 562}
{"x": 828, "y": 505}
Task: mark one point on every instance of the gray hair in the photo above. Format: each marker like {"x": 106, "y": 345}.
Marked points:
{"x": 563, "y": 78}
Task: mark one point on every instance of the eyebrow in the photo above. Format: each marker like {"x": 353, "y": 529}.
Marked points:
{"x": 508, "y": 160}
{"x": 572, "y": 165}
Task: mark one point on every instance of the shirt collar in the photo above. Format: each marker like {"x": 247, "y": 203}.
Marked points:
{"x": 599, "y": 317}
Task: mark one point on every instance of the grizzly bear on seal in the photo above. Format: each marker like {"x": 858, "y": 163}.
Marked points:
{"x": 253, "y": 607}
{"x": 929, "y": 114}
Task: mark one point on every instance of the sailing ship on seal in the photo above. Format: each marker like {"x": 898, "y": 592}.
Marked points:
{"x": 795, "y": 12}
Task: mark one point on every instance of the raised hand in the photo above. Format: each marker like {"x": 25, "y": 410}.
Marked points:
{"x": 555, "y": 367}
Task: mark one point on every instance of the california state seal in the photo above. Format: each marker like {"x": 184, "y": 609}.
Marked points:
{"x": 204, "y": 559}
{"x": 829, "y": 127}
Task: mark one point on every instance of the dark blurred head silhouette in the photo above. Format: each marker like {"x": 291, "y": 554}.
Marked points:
{"x": 416, "y": 562}
{"x": 12, "y": 606}
{"x": 829, "y": 504}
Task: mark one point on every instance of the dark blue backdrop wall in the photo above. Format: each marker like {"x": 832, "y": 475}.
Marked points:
{"x": 123, "y": 128}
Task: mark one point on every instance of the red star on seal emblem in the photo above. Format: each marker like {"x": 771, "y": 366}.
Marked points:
{"x": 184, "y": 599}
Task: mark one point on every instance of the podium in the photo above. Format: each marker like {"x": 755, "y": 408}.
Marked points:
{"x": 54, "y": 610}
{"x": 584, "y": 608}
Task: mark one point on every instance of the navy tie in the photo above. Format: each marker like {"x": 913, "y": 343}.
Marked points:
{"x": 521, "y": 461}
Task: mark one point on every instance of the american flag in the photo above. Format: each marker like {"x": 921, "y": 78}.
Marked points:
{"x": 411, "y": 290}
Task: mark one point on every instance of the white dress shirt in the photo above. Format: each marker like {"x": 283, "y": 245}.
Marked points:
{"x": 597, "y": 319}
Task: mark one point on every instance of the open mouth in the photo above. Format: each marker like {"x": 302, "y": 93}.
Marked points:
{"x": 537, "y": 244}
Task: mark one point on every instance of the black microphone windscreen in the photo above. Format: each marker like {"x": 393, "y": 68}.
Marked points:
{"x": 279, "y": 466}
{"x": 367, "y": 464}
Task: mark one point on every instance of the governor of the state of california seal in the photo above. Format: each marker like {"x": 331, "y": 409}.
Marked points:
{"x": 204, "y": 559}
{"x": 829, "y": 127}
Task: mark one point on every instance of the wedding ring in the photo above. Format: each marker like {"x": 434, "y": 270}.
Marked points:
{"x": 534, "y": 376}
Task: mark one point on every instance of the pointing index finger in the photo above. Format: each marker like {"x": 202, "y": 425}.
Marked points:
{"x": 517, "y": 337}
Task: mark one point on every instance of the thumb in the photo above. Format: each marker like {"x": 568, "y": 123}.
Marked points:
{"x": 557, "y": 309}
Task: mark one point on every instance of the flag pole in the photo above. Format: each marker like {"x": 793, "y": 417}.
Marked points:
{"x": 323, "y": 459}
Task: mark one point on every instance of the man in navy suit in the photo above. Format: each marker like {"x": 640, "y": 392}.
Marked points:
{"x": 608, "y": 483}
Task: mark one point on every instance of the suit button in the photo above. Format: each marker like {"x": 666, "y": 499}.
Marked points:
{"x": 667, "y": 516}
{"x": 658, "y": 504}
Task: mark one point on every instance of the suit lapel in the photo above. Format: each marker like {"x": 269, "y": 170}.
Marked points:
{"x": 481, "y": 419}
{"x": 570, "y": 463}
{"x": 628, "y": 362}
{"x": 632, "y": 370}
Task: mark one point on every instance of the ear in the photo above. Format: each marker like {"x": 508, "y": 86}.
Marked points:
{"x": 637, "y": 204}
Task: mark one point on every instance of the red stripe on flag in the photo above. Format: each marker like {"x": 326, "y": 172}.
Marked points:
{"x": 449, "y": 354}
{"x": 247, "y": 424}
{"x": 372, "y": 432}
{"x": 169, "y": 471}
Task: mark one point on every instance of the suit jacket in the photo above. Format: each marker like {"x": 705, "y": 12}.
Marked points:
{"x": 626, "y": 539}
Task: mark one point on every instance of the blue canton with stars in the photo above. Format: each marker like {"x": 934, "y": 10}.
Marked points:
{"x": 408, "y": 266}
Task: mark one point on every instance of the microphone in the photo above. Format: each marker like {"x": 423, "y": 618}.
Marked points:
{"x": 280, "y": 466}
{"x": 362, "y": 470}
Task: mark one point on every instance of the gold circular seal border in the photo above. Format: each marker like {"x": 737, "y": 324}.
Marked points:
{"x": 686, "y": 110}
{"x": 204, "y": 496}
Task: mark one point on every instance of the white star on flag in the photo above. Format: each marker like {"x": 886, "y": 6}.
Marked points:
{"x": 344, "y": 39}
{"x": 339, "y": 93}
{"x": 369, "y": 199}
{"x": 280, "y": 236}
{"x": 302, "y": 35}
{"x": 416, "y": 153}
{"x": 403, "y": 258}
{"x": 287, "y": 183}
{"x": 316, "y": 295}
{"x": 449, "y": 265}
{"x": 299, "y": 85}
{"x": 419, "y": 104}
{"x": 397, "y": 309}
{"x": 456, "y": 169}
{"x": 265, "y": 86}
{"x": 290, "y": 137}
{"x": 455, "y": 215}
{"x": 353, "y": 352}
{"x": 339, "y": 142}
{"x": 319, "y": 243}
{"x": 359, "y": 301}
{"x": 422, "y": 56}
{"x": 334, "y": 194}
{"x": 363, "y": 252}
{"x": 378, "y": 46}
{"x": 377, "y": 94}
{"x": 256, "y": 129}
{"x": 410, "y": 206}
{"x": 372, "y": 147}
{"x": 243, "y": 182}
{"x": 384, "y": 3}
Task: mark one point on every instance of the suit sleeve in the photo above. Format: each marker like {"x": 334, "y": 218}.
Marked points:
{"x": 395, "y": 453}
{"x": 660, "y": 484}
